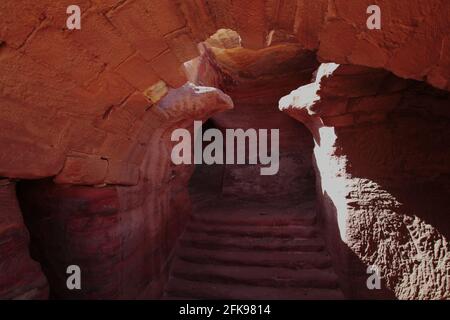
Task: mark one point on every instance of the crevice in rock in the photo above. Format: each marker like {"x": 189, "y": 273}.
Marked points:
{"x": 267, "y": 221}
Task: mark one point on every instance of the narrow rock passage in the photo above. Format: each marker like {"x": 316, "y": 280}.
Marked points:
{"x": 250, "y": 250}
{"x": 255, "y": 236}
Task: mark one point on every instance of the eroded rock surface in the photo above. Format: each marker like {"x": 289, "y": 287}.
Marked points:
{"x": 87, "y": 93}
{"x": 94, "y": 107}
{"x": 120, "y": 236}
{"x": 20, "y": 276}
{"x": 381, "y": 154}
{"x": 255, "y": 79}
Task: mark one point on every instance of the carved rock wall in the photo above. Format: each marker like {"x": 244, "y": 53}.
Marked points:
{"x": 121, "y": 237}
{"x": 81, "y": 106}
{"x": 75, "y": 102}
{"x": 255, "y": 80}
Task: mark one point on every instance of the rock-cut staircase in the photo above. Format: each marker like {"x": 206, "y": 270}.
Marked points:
{"x": 252, "y": 251}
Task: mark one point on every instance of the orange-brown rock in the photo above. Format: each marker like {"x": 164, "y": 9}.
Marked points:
{"x": 94, "y": 108}
{"x": 124, "y": 49}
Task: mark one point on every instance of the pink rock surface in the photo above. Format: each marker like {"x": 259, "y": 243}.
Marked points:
{"x": 120, "y": 236}
{"x": 123, "y": 51}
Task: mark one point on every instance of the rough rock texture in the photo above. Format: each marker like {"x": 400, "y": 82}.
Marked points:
{"x": 87, "y": 93}
{"x": 381, "y": 153}
{"x": 122, "y": 246}
{"x": 121, "y": 237}
{"x": 80, "y": 106}
{"x": 20, "y": 276}
{"x": 255, "y": 79}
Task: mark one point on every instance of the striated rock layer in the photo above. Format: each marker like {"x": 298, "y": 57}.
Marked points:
{"x": 381, "y": 154}
{"x": 120, "y": 236}
{"x": 20, "y": 276}
{"x": 85, "y": 95}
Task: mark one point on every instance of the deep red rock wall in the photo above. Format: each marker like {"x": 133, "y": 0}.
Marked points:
{"x": 20, "y": 276}
{"x": 121, "y": 237}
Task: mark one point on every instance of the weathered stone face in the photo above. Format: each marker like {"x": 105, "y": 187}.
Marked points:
{"x": 95, "y": 107}
{"x": 89, "y": 91}
{"x": 379, "y": 156}
{"x": 255, "y": 80}
{"x": 120, "y": 236}
{"x": 20, "y": 276}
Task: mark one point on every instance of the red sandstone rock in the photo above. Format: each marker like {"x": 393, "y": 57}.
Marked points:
{"x": 364, "y": 157}
{"x": 255, "y": 79}
{"x": 20, "y": 276}
{"x": 81, "y": 107}
{"x": 76, "y": 71}
{"x": 121, "y": 237}
{"x": 231, "y": 249}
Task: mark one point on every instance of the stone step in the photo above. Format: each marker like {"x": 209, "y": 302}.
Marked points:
{"x": 257, "y": 217}
{"x": 219, "y": 291}
{"x": 214, "y": 242}
{"x": 253, "y": 251}
{"x": 291, "y": 259}
{"x": 289, "y": 232}
{"x": 256, "y": 276}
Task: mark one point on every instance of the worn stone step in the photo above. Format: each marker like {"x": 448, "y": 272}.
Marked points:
{"x": 252, "y": 251}
{"x": 220, "y": 291}
{"x": 259, "y": 216}
{"x": 257, "y": 276}
{"x": 254, "y": 231}
{"x": 292, "y": 259}
{"x": 205, "y": 241}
